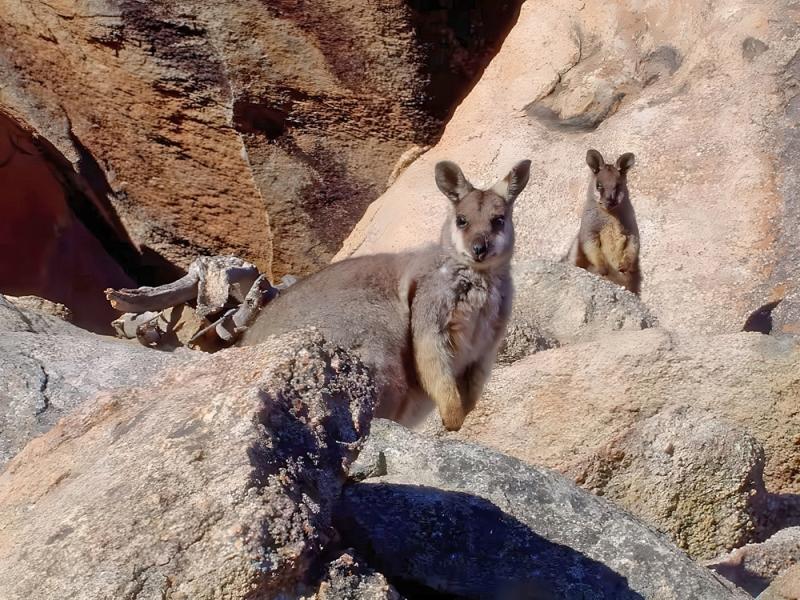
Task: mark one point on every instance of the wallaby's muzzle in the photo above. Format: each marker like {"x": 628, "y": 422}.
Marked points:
{"x": 480, "y": 249}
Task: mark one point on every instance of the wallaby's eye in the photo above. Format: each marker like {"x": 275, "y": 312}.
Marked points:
{"x": 498, "y": 223}
{"x": 461, "y": 221}
{"x": 599, "y": 187}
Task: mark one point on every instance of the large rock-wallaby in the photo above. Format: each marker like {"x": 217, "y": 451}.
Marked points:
{"x": 608, "y": 240}
{"x": 427, "y": 322}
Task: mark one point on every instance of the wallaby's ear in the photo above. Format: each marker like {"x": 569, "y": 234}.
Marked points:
{"x": 510, "y": 186}
{"x": 625, "y": 162}
{"x": 595, "y": 161}
{"x": 451, "y": 180}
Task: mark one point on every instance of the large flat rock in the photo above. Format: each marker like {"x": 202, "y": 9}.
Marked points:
{"x": 464, "y": 520}
{"x": 49, "y": 367}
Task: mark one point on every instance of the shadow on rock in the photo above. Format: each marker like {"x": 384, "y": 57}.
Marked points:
{"x": 783, "y": 511}
{"x": 465, "y": 546}
{"x": 760, "y": 320}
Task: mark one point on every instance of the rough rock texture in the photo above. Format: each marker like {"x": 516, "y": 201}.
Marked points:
{"x": 48, "y": 367}
{"x": 215, "y": 480}
{"x": 136, "y": 99}
{"x": 464, "y": 520}
{"x": 198, "y": 120}
{"x": 717, "y": 173}
{"x": 754, "y": 566}
{"x": 351, "y": 87}
{"x": 695, "y": 476}
{"x": 785, "y": 318}
{"x": 580, "y": 408}
{"x": 41, "y": 305}
{"x": 46, "y": 248}
{"x": 785, "y": 587}
{"x": 350, "y": 578}
{"x": 556, "y": 303}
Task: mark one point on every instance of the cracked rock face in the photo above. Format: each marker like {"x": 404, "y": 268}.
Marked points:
{"x": 213, "y": 479}
{"x": 464, "y": 520}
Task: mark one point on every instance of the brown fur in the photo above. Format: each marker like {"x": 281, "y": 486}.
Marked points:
{"x": 608, "y": 239}
{"x": 427, "y": 322}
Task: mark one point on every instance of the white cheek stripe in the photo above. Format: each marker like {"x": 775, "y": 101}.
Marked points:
{"x": 500, "y": 243}
{"x": 457, "y": 238}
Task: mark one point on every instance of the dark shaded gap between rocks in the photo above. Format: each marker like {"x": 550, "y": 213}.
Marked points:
{"x": 58, "y": 238}
{"x": 445, "y": 28}
{"x": 462, "y": 546}
{"x": 88, "y": 193}
{"x": 87, "y": 190}
{"x": 760, "y": 320}
{"x": 783, "y": 511}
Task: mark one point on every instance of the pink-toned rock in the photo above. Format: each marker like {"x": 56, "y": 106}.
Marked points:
{"x": 785, "y": 587}
{"x": 694, "y": 475}
{"x": 670, "y": 426}
{"x": 703, "y": 94}
{"x": 753, "y": 567}
{"x": 556, "y": 303}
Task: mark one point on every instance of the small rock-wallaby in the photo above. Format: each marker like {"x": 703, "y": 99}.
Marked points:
{"x": 427, "y": 322}
{"x": 608, "y": 240}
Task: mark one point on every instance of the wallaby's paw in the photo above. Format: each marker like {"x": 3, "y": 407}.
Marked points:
{"x": 626, "y": 265}
{"x": 452, "y": 420}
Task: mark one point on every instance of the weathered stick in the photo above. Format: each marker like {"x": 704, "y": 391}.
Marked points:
{"x": 127, "y": 325}
{"x": 221, "y": 277}
{"x": 234, "y": 321}
{"x": 260, "y": 293}
{"x": 210, "y": 280}
{"x": 154, "y": 298}
{"x": 213, "y": 282}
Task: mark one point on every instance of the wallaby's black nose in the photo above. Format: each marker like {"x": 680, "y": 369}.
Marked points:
{"x": 479, "y": 250}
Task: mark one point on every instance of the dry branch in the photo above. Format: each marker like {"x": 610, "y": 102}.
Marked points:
{"x": 154, "y": 298}
{"x": 210, "y": 280}
{"x": 214, "y": 283}
{"x": 235, "y": 321}
{"x": 127, "y": 325}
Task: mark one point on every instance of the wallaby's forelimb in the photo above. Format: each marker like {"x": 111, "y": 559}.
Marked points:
{"x": 472, "y": 382}
{"x": 630, "y": 256}
{"x": 436, "y": 376}
{"x": 593, "y": 255}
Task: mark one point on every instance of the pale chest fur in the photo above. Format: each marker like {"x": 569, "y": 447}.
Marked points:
{"x": 613, "y": 239}
{"x": 477, "y": 318}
